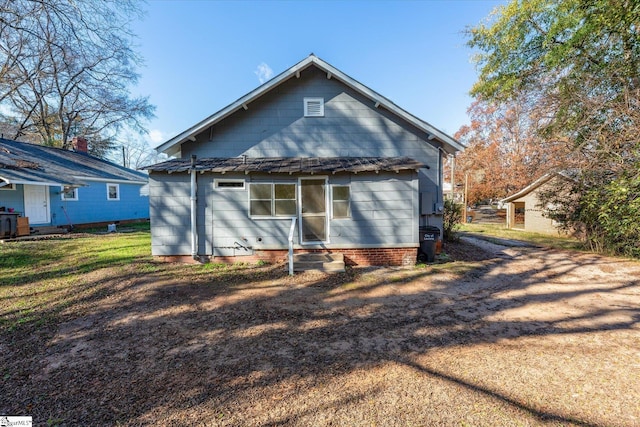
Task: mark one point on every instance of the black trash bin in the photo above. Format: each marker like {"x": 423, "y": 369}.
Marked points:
{"x": 428, "y": 240}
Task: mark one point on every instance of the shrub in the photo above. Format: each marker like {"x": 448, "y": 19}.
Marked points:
{"x": 603, "y": 209}
{"x": 452, "y": 218}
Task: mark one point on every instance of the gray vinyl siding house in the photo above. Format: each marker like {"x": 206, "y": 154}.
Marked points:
{"x": 357, "y": 173}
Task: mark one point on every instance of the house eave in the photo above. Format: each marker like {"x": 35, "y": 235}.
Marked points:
{"x": 529, "y": 188}
{"x": 239, "y": 104}
{"x": 38, "y": 181}
{"x": 41, "y": 183}
{"x": 450, "y": 145}
{"x": 115, "y": 180}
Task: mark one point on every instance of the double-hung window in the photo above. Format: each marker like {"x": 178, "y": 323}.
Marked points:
{"x": 113, "y": 191}
{"x": 69, "y": 193}
{"x": 340, "y": 197}
{"x": 272, "y": 200}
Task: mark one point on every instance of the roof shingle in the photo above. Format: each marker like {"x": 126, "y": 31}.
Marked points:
{"x": 25, "y": 163}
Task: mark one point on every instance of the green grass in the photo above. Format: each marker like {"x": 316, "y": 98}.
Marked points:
{"x": 120, "y": 228}
{"x": 22, "y": 262}
{"x": 501, "y": 232}
{"x": 42, "y": 278}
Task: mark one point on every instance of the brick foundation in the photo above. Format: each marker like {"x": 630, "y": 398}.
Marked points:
{"x": 360, "y": 257}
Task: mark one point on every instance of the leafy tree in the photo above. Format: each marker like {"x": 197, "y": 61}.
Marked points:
{"x": 66, "y": 69}
{"x": 578, "y": 62}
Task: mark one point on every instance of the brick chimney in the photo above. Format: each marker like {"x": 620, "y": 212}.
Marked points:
{"x": 79, "y": 144}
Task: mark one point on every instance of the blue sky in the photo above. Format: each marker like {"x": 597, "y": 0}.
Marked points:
{"x": 201, "y": 56}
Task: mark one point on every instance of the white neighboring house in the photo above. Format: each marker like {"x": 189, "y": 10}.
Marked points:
{"x": 524, "y": 210}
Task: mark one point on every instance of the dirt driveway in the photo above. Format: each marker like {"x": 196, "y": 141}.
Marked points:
{"x": 505, "y": 336}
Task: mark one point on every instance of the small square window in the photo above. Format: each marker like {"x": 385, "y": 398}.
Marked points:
{"x": 230, "y": 184}
{"x": 113, "y": 191}
{"x": 314, "y": 107}
{"x": 69, "y": 193}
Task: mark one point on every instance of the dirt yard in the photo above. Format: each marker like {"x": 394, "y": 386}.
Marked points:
{"x": 501, "y": 337}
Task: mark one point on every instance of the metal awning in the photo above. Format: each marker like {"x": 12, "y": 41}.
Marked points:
{"x": 290, "y": 165}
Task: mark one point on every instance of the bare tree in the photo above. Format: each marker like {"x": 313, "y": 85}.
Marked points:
{"x": 134, "y": 151}
{"x": 67, "y": 68}
{"x": 504, "y": 149}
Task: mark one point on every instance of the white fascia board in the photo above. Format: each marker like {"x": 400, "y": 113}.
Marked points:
{"x": 235, "y": 106}
{"x": 29, "y": 182}
{"x": 169, "y": 146}
{"x": 115, "y": 181}
{"x": 25, "y": 182}
{"x": 529, "y": 188}
{"x": 389, "y": 105}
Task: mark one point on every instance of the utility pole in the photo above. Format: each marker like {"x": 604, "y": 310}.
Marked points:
{"x": 466, "y": 195}
{"x": 453, "y": 177}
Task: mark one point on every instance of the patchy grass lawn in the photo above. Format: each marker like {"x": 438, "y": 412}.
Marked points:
{"x": 41, "y": 278}
{"x": 93, "y": 331}
{"x": 501, "y": 232}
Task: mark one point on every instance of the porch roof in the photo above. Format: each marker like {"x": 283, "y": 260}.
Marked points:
{"x": 290, "y": 165}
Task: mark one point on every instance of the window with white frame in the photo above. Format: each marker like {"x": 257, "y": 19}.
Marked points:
{"x": 314, "y": 107}
{"x": 340, "y": 201}
{"x": 272, "y": 200}
{"x": 113, "y": 191}
{"x": 69, "y": 193}
{"x": 229, "y": 184}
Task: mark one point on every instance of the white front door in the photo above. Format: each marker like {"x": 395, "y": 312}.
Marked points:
{"x": 36, "y": 204}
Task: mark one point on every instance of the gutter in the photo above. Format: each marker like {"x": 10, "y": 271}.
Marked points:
{"x": 194, "y": 206}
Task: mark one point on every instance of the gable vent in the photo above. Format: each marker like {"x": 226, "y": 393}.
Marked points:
{"x": 314, "y": 107}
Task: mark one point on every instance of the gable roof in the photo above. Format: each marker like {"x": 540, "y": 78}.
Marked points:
{"x": 565, "y": 174}
{"x": 25, "y": 163}
{"x": 290, "y": 165}
{"x": 172, "y": 146}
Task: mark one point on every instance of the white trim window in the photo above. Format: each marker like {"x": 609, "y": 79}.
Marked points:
{"x": 340, "y": 201}
{"x": 229, "y": 184}
{"x": 268, "y": 200}
{"x": 314, "y": 107}
{"x": 113, "y": 192}
{"x": 69, "y": 194}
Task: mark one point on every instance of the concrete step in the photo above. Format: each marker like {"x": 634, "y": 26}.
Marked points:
{"x": 317, "y": 256}
{"x": 48, "y": 229}
{"x": 328, "y": 263}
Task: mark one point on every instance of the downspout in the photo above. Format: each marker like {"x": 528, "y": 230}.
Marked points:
{"x": 194, "y": 210}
